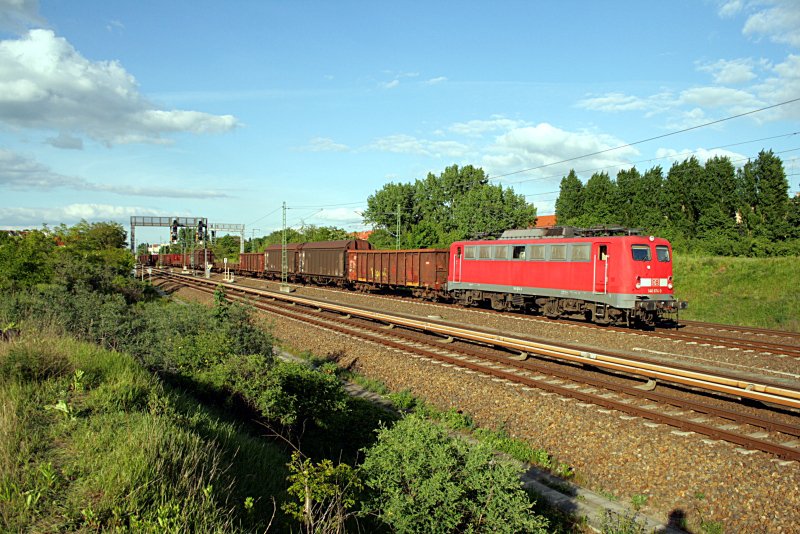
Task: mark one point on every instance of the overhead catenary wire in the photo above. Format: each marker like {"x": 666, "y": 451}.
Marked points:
{"x": 634, "y": 143}
{"x": 582, "y": 156}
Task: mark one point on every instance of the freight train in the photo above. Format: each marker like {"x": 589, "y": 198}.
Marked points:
{"x": 604, "y": 275}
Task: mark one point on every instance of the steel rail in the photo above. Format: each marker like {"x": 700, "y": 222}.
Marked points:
{"x": 511, "y": 375}
{"x": 751, "y": 389}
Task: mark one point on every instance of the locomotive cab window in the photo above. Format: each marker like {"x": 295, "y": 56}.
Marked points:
{"x": 558, "y": 252}
{"x": 602, "y": 252}
{"x": 537, "y": 252}
{"x": 519, "y": 252}
{"x": 500, "y": 253}
{"x": 662, "y": 253}
{"x": 469, "y": 252}
{"x": 641, "y": 253}
{"x": 485, "y": 252}
{"x": 580, "y": 253}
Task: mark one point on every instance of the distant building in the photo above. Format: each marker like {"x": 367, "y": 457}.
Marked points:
{"x": 362, "y": 235}
{"x": 543, "y": 221}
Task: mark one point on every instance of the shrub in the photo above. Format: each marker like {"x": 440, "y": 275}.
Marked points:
{"x": 422, "y": 480}
{"x": 296, "y": 395}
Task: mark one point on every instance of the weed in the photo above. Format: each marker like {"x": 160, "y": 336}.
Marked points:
{"x": 62, "y": 407}
{"x": 638, "y": 501}
{"x": 77, "y": 380}
{"x": 614, "y": 523}
{"x": 403, "y": 400}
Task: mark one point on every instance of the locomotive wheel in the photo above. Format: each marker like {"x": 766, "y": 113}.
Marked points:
{"x": 497, "y": 302}
{"x": 550, "y": 309}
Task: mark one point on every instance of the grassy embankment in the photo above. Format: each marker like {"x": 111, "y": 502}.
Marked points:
{"x": 90, "y": 440}
{"x": 762, "y": 292}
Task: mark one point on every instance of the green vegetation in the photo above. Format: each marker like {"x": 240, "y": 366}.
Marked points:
{"x": 90, "y": 440}
{"x": 711, "y": 209}
{"x": 422, "y": 480}
{"x": 121, "y": 428}
{"x": 745, "y": 291}
{"x": 460, "y": 203}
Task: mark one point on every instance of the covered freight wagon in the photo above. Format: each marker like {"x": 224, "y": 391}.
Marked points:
{"x": 251, "y": 263}
{"x": 325, "y": 262}
{"x": 423, "y": 272}
{"x": 273, "y": 260}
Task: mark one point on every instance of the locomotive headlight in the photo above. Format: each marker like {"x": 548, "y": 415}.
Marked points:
{"x": 638, "y": 282}
{"x": 652, "y": 238}
{"x": 669, "y": 283}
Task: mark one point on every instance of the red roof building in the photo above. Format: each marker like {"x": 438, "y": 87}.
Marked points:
{"x": 543, "y": 221}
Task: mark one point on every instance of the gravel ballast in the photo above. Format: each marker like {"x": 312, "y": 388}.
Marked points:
{"x": 682, "y": 475}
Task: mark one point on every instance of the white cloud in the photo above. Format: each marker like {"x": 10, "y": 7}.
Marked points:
{"x": 701, "y": 154}
{"x": 780, "y": 22}
{"x": 781, "y": 86}
{"x": 46, "y": 84}
{"x": 24, "y": 174}
{"x": 733, "y": 100}
{"x": 323, "y": 144}
{"x": 614, "y": 102}
{"x": 406, "y": 144}
{"x": 66, "y": 141}
{"x": 730, "y": 72}
{"x": 730, "y": 8}
{"x": 480, "y": 127}
{"x": 550, "y": 150}
{"x": 18, "y": 15}
{"x": 24, "y": 217}
{"x": 338, "y": 215}
{"x": 391, "y": 85}
{"x": 435, "y": 81}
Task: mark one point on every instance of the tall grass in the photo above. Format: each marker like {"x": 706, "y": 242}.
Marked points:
{"x": 761, "y": 292}
{"x": 91, "y": 441}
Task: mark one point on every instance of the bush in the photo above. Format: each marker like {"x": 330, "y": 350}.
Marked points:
{"x": 422, "y": 480}
{"x": 296, "y": 395}
{"x": 89, "y": 440}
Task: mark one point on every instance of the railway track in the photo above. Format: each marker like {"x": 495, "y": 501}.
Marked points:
{"x": 760, "y": 340}
{"x": 600, "y": 379}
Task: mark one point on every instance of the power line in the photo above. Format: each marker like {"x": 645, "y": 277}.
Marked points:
{"x": 650, "y": 138}
{"x": 322, "y": 207}
{"x": 634, "y": 163}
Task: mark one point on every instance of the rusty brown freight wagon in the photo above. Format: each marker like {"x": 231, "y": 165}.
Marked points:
{"x": 272, "y": 260}
{"x": 251, "y": 263}
{"x": 422, "y": 271}
{"x": 325, "y": 262}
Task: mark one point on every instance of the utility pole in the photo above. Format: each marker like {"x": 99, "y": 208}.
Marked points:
{"x": 284, "y": 258}
{"x": 398, "y": 226}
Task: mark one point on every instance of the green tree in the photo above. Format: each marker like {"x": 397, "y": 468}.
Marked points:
{"x": 490, "y": 209}
{"x": 600, "y": 201}
{"x": 650, "y": 214}
{"x": 422, "y": 480}
{"x": 793, "y": 217}
{"x": 226, "y": 246}
{"x": 86, "y": 236}
{"x": 680, "y": 196}
{"x": 569, "y": 205}
{"x": 383, "y": 209}
{"x": 630, "y": 193}
{"x": 765, "y": 197}
{"x": 440, "y": 209}
{"x": 25, "y": 260}
{"x": 312, "y": 233}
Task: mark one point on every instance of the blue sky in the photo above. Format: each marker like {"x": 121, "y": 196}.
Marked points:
{"x": 225, "y": 110}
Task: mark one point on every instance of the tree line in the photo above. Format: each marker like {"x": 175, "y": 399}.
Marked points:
{"x": 712, "y": 208}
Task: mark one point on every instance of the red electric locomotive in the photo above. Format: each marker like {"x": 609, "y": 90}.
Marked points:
{"x": 563, "y": 271}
